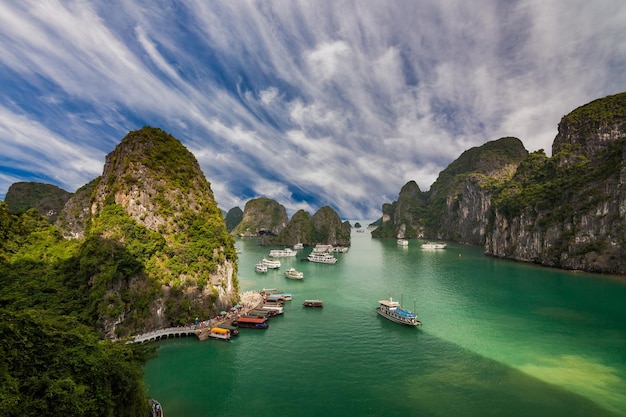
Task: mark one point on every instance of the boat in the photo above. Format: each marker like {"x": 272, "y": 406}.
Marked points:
{"x": 282, "y": 296}
{"x": 291, "y": 273}
{"x": 433, "y": 245}
{"x": 392, "y": 310}
{"x": 273, "y": 310}
{"x": 298, "y": 246}
{"x": 233, "y": 329}
{"x": 155, "y": 408}
{"x": 403, "y": 242}
{"x": 339, "y": 249}
{"x": 251, "y": 322}
{"x": 260, "y": 267}
{"x": 321, "y": 257}
{"x": 219, "y": 333}
{"x": 271, "y": 263}
{"x": 283, "y": 253}
{"x": 313, "y": 303}
{"x": 321, "y": 248}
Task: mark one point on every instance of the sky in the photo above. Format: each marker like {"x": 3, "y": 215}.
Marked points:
{"x": 310, "y": 103}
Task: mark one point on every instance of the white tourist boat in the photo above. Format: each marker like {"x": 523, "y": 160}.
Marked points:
{"x": 298, "y": 246}
{"x": 260, "y": 267}
{"x": 271, "y": 263}
{"x": 392, "y": 310}
{"x": 291, "y": 273}
{"x": 322, "y": 258}
{"x": 320, "y": 248}
{"x": 403, "y": 242}
{"x": 282, "y": 253}
{"x": 433, "y": 245}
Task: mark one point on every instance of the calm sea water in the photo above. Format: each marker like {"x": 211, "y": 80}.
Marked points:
{"x": 499, "y": 338}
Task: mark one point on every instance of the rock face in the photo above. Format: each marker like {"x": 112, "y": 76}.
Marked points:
{"x": 47, "y": 199}
{"x": 328, "y": 228}
{"x": 457, "y": 206}
{"x": 568, "y": 211}
{"x": 74, "y": 217}
{"x": 298, "y": 230}
{"x": 154, "y": 201}
{"x": 233, "y": 218}
{"x": 262, "y": 217}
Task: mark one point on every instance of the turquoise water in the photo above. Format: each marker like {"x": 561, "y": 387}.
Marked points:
{"x": 499, "y": 338}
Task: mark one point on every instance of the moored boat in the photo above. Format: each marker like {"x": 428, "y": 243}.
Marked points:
{"x": 392, "y": 310}
{"x": 433, "y": 245}
{"x": 322, "y": 257}
{"x": 291, "y": 273}
{"x": 219, "y": 333}
{"x": 282, "y": 296}
{"x": 403, "y": 242}
{"x": 298, "y": 246}
{"x": 251, "y": 322}
{"x": 282, "y": 253}
{"x": 313, "y": 303}
{"x": 271, "y": 263}
{"x": 260, "y": 267}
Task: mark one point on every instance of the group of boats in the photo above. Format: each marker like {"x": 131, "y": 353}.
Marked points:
{"x": 320, "y": 254}
{"x": 427, "y": 245}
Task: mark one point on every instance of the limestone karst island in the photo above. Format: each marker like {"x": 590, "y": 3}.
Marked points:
{"x": 145, "y": 248}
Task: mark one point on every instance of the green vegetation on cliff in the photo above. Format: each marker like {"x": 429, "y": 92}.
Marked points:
{"x": 48, "y": 199}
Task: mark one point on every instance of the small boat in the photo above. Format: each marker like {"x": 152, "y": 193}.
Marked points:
{"x": 291, "y": 273}
{"x": 433, "y": 245}
{"x": 271, "y": 263}
{"x": 392, "y": 310}
{"x": 155, "y": 408}
{"x": 313, "y": 303}
{"x": 298, "y": 246}
{"x": 321, "y": 257}
{"x": 219, "y": 333}
{"x": 282, "y": 296}
{"x": 283, "y": 253}
{"x": 403, "y": 242}
{"x": 233, "y": 329}
{"x": 273, "y": 310}
{"x": 260, "y": 267}
{"x": 339, "y": 249}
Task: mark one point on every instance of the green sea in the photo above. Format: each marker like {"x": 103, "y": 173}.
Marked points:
{"x": 499, "y": 338}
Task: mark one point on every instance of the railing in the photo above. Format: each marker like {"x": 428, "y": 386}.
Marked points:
{"x": 165, "y": 333}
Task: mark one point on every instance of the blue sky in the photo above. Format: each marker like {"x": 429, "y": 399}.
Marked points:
{"x": 311, "y": 103}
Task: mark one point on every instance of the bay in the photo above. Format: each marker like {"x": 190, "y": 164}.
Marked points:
{"x": 499, "y": 337}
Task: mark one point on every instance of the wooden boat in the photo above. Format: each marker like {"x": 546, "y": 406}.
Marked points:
{"x": 313, "y": 303}
{"x": 251, "y": 322}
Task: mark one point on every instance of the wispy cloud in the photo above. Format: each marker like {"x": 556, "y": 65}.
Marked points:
{"x": 334, "y": 103}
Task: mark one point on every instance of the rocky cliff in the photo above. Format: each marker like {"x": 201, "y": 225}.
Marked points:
{"x": 458, "y": 203}
{"x": 329, "y": 229}
{"x": 262, "y": 217}
{"x": 568, "y": 211}
{"x": 47, "y": 199}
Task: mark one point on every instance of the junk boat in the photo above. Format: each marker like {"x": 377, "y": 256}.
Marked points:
{"x": 392, "y": 310}
{"x": 313, "y": 303}
{"x": 260, "y": 267}
{"x": 291, "y": 273}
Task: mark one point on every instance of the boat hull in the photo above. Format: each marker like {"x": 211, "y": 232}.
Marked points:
{"x": 399, "y": 320}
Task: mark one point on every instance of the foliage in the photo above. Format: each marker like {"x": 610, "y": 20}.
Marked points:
{"x": 53, "y": 365}
{"x": 46, "y": 198}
